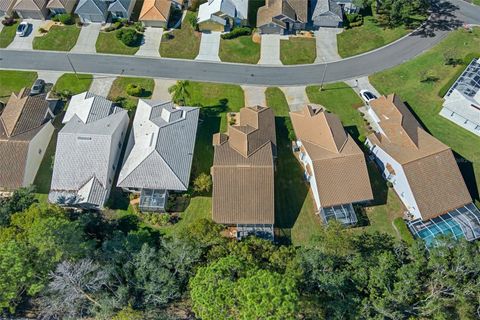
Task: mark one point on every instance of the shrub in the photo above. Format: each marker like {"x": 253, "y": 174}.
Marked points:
{"x": 55, "y": 18}
{"x": 237, "y": 32}
{"x": 114, "y": 26}
{"x": 8, "y": 21}
{"x": 192, "y": 20}
{"x": 42, "y": 30}
{"x": 291, "y": 132}
{"x": 139, "y": 27}
{"x": 134, "y": 90}
{"x": 129, "y": 37}
{"x": 354, "y": 20}
{"x": 65, "y": 18}
{"x": 203, "y": 183}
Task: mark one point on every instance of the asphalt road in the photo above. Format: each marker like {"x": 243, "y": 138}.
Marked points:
{"x": 448, "y": 15}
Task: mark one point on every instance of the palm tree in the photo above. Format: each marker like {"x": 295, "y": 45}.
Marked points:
{"x": 179, "y": 91}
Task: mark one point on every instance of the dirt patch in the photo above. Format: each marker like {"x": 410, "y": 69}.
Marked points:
{"x": 256, "y": 38}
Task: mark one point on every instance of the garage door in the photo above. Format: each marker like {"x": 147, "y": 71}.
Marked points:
{"x": 92, "y": 18}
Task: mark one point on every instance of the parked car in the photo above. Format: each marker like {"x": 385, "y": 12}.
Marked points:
{"x": 22, "y": 29}
{"x": 37, "y": 87}
{"x": 367, "y": 96}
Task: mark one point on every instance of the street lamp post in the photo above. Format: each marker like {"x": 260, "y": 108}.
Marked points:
{"x": 324, "y": 73}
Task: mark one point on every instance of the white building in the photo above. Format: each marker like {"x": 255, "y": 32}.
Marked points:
{"x": 423, "y": 172}
{"x": 216, "y": 15}
{"x": 334, "y": 164}
{"x": 462, "y": 101}
{"x": 88, "y": 151}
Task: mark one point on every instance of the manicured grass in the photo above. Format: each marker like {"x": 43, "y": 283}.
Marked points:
{"x": 107, "y": 42}
{"x": 340, "y": 99}
{"x": 425, "y": 102}
{"x": 367, "y": 37}
{"x": 13, "y": 81}
{"x": 59, "y": 38}
{"x": 277, "y": 101}
{"x": 75, "y": 84}
{"x": 298, "y": 50}
{"x": 477, "y": 2}
{"x": 8, "y": 34}
{"x": 241, "y": 50}
{"x": 402, "y": 228}
{"x": 185, "y": 43}
{"x": 118, "y": 92}
{"x": 216, "y": 99}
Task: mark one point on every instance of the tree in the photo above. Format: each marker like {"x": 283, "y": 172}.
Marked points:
{"x": 20, "y": 200}
{"x": 129, "y": 37}
{"x": 71, "y": 291}
{"x": 179, "y": 92}
{"x": 203, "y": 183}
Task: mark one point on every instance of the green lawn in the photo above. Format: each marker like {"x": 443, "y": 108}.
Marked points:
{"x": 367, "y": 37}
{"x": 59, "y": 38}
{"x": 425, "y": 102}
{"x": 277, "y": 101}
{"x": 118, "y": 92}
{"x": 107, "y": 42}
{"x": 340, "y": 99}
{"x": 199, "y": 208}
{"x": 185, "y": 43}
{"x": 216, "y": 99}
{"x": 8, "y": 34}
{"x": 298, "y": 50}
{"x": 13, "y": 81}
{"x": 241, "y": 50}
{"x": 477, "y": 2}
{"x": 74, "y": 83}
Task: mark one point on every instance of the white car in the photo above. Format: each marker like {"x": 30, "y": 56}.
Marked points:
{"x": 367, "y": 96}
{"x": 22, "y": 29}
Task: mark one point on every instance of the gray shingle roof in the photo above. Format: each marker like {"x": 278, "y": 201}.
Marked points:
{"x": 91, "y": 7}
{"x": 160, "y": 152}
{"x": 119, "y": 5}
{"x": 327, "y": 6}
{"x": 85, "y": 154}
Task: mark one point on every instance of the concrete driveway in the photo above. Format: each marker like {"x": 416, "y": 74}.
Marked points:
{"x": 151, "y": 42}
{"x": 362, "y": 84}
{"x": 326, "y": 39}
{"x": 101, "y": 84}
{"x": 296, "y": 97}
{"x": 25, "y": 43}
{"x": 87, "y": 38}
{"x": 160, "y": 91}
{"x": 254, "y": 95}
{"x": 50, "y": 77}
{"x": 270, "y": 49}
{"x": 209, "y": 46}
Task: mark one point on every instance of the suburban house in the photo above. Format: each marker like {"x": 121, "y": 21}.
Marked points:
{"x": 88, "y": 151}
{"x": 422, "y": 171}
{"x": 121, "y": 9}
{"x": 6, "y": 7}
{"x": 155, "y": 13}
{"x": 462, "y": 101}
{"x": 282, "y": 16}
{"x": 32, "y": 9}
{"x": 159, "y": 153}
{"x": 327, "y": 13}
{"x": 243, "y": 174}
{"x": 334, "y": 164}
{"x": 61, "y": 6}
{"x": 220, "y": 15}
{"x": 25, "y": 132}
{"x": 92, "y": 11}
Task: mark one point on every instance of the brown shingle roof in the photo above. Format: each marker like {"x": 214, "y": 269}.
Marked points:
{"x": 339, "y": 164}
{"x": 155, "y": 10}
{"x": 429, "y": 165}
{"x": 294, "y": 9}
{"x": 243, "y": 170}
{"x": 60, "y": 4}
{"x": 33, "y": 5}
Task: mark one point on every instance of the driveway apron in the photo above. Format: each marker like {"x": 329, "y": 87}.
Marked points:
{"x": 326, "y": 40}
{"x": 254, "y": 95}
{"x": 270, "y": 49}
{"x": 209, "y": 46}
{"x": 160, "y": 91}
{"x": 296, "y": 97}
{"x": 151, "y": 42}
{"x": 26, "y": 43}
{"x": 101, "y": 84}
{"x": 87, "y": 39}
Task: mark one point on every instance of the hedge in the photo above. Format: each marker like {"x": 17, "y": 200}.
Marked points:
{"x": 237, "y": 32}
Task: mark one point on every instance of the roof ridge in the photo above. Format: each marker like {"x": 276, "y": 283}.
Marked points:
{"x": 138, "y": 165}
{"x": 155, "y": 150}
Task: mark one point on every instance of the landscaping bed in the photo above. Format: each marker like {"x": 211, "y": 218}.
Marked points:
{"x": 183, "y": 43}
{"x": 13, "y": 81}
{"x": 108, "y": 42}
{"x": 119, "y": 91}
{"x": 241, "y": 50}
{"x": 298, "y": 50}
{"x": 8, "y": 34}
{"x": 58, "y": 38}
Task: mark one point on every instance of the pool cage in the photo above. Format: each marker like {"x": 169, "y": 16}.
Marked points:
{"x": 153, "y": 200}
{"x": 460, "y": 223}
{"x": 345, "y": 214}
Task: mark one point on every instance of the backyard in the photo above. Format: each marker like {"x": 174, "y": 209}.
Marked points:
{"x": 8, "y": 34}
{"x": 419, "y": 82}
{"x": 59, "y": 38}
{"x": 183, "y": 43}
{"x": 241, "y": 50}
{"x": 298, "y": 50}
{"x": 13, "y": 81}
{"x": 107, "y": 42}
{"x": 118, "y": 91}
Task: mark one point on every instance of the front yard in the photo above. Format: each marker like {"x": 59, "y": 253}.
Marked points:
{"x": 298, "y": 50}
{"x": 107, "y": 42}
{"x": 72, "y": 83}
{"x": 183, "y": 43}
{"x": 8, "y": 34}
{"x": 59, "y": 38}
{"x": 13, "y": 81}
{"x": 408, "y": 80}
{"x": 118, "y": 91}
{"x": 241, "y": 50}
